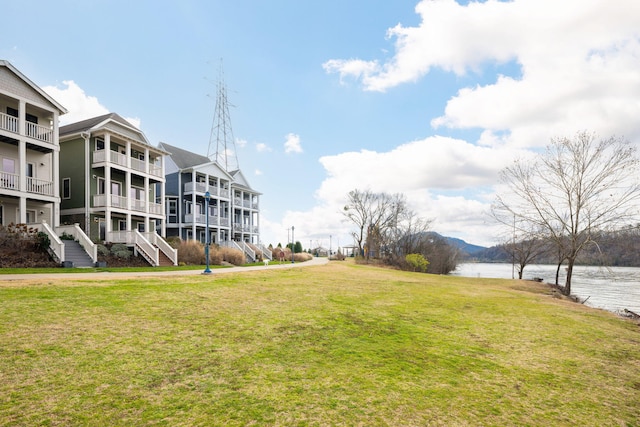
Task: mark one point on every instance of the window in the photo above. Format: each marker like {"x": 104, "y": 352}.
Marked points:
{"x": 12, "y": 112}
{"x": 30, "y": 169}
{"x": 141, "y": 227}
{"x": 99, "y": 144}
{"x": 173, "y": 207}
{"x": 101, "y": 185}
{"x": 102, "y": 227}
{"x": 31, "y": 118}
{"x": 31, "y": 216}
{"x": 122, "y": 225}
{"x": 8, "y": 165}
{"x": 115, "y": 188}
{"x": 136, "y": 193}
{"x": 66, "y": 188}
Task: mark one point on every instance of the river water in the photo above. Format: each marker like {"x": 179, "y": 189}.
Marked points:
{"x": 609, "y": 288}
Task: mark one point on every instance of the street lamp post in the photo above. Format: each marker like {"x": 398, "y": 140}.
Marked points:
{"x": 207, "y": 197}
{"x": 293, "y": 245}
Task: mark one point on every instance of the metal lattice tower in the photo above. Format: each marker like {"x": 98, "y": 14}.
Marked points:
{"x": 221, "y": 132}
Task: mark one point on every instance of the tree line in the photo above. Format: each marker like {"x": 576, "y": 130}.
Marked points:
{"x": 388, "y": 231}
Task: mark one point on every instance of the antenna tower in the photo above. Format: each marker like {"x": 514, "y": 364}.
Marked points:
{"x": 221, "y": 133}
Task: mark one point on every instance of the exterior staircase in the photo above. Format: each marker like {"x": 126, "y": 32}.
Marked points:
{"x": 163, "y": 259}
{"x": 76, "y": 254}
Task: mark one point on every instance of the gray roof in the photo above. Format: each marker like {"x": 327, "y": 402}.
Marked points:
{"x": 85, "y": 125}
{"x": 184, "y": 159}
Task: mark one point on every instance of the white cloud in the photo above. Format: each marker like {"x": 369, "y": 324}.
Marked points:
{"x": 257, "y": 172}
{"x": 424, "y": 171}
{"x": 241, "y": 142}
{"x": 79, "y": 105}
{"x": 261, "y": 147}
{"x": 292, "y": 144}
{"x": 577, "y": 64}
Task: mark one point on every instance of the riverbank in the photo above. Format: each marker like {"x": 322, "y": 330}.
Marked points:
{"x": 610, "y": 288}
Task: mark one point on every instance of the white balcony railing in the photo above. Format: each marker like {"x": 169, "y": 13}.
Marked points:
{"x": 201, "y": 219}
{"x": 100, "y": 201}
{"x": 137, "y": 164}
{"x": 9, "y": 123}
{"x": 138, "y": 205}
{"x": 155, "y": 170}
{"x": 9, "y": 181}
{"x": 32, "y": 130}
{"x": 39, "y": 132}
{"x": 155, "y": 208}
{"x": 39, "y": 186}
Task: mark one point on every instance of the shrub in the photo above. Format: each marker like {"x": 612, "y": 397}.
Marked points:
{"x": 103, "y": 250}
{"x": 417, "y": 262}
{"x": 42, "y": 241}
{"x": 191, "y": 252}
{"x": 174, "y": 241}
{"x": 232, "y": 256}
{"x": 120, "y": 250}
{"x": 302, "y": 257}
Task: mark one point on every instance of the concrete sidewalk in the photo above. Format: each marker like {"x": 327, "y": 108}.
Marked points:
{"x": 108, "y": 275}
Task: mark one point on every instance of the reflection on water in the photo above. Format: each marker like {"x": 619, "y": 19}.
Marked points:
{"x": 610, "y": 288}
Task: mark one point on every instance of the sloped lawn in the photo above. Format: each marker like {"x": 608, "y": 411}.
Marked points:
{"x": 334, "y": 345}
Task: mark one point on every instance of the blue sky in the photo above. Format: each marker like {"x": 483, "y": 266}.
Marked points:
{"x": 428, "y": 98}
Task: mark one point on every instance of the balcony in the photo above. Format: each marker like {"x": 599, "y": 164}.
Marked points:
{"x": 119, "y": 159}
{"x": 11, "y": 181}
{"x": 201, "y": 219}
{"x": 8, "y": 123}
{"x": 101, "y": 201}
{"x": 39, "y": 186}
{"x": 202, "y": 187}
{"x": 41, "y": 133}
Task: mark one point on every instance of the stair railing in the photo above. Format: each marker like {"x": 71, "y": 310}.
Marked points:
{"x": 74, "y": 230}
{"x": 162, "y": 244}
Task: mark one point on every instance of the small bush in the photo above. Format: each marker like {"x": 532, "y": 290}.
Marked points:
{"x": 302, "y": 257}
{"x": 103, "y": 250}
{"x": 120, "y": 250}
{"x": 191, "y": 252}
{"x": 232, "y": 256}
{"x": 417, "y": 262}
{"x": 42, "y": 241}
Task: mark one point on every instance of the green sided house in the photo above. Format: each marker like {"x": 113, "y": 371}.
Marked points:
{"x": 112, "y": 184}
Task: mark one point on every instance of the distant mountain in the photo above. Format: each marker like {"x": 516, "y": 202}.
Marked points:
{"x": 465, "y": 247}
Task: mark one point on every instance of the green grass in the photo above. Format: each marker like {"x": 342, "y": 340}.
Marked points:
{"x": 330, "y": 345}
{"x": 59, "y": 270}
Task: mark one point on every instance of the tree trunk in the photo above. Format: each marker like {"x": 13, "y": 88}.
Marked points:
{"x": 567, "y": 285}
{"x": 558, "y": 273}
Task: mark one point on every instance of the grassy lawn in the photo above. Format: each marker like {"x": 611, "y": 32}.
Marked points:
{"x": 332, "y": 345}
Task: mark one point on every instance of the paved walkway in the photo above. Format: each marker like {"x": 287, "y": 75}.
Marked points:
{"x": 109, "y": 274}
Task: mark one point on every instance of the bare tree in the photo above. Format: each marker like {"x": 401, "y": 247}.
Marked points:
{"x": 374, "y": 215}
{"x": 358, "y": 211}
{"x": 525, "y": 243}
{"x": 577, "y": 187}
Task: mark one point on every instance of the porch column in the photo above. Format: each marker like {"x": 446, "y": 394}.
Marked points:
{"x": 193, "y": 207}
{"x": 55, "y": 212}
{"x": 107, "y": 195}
